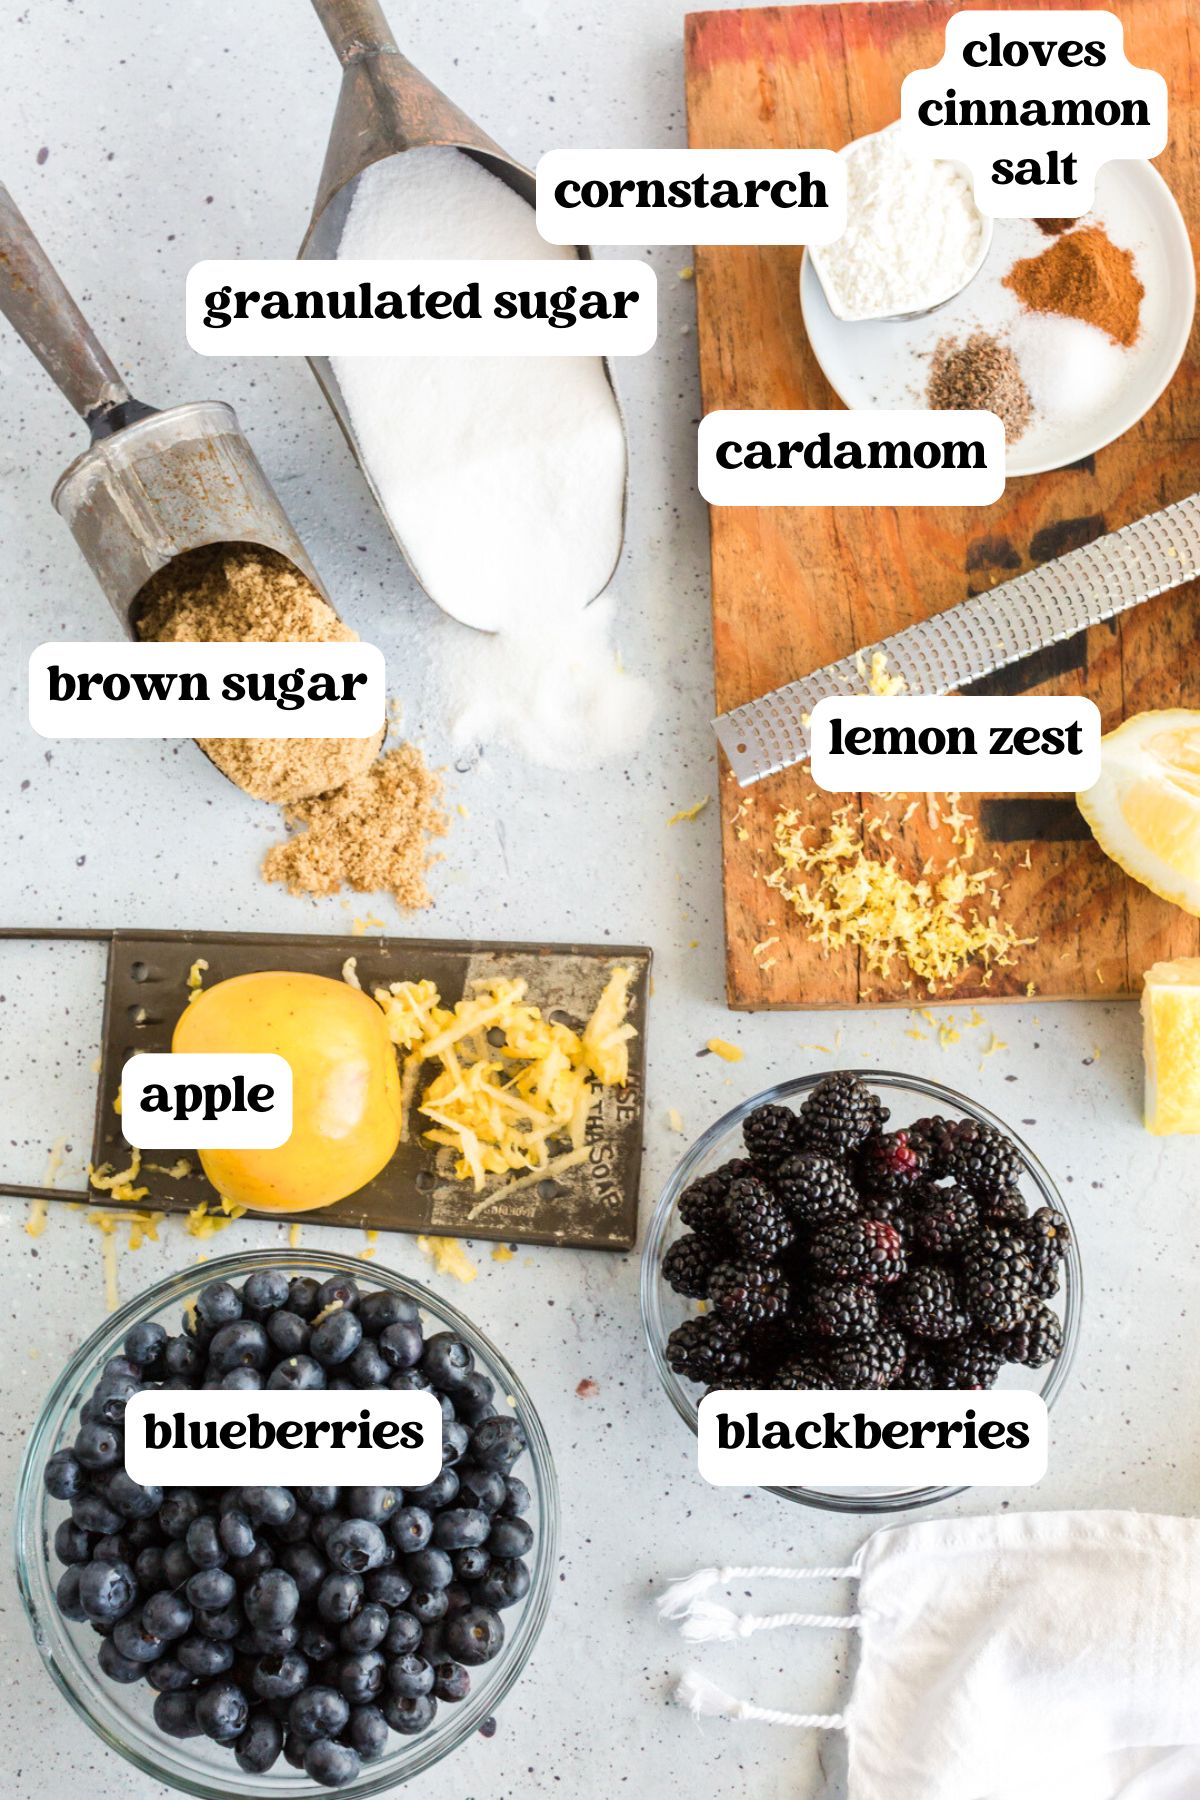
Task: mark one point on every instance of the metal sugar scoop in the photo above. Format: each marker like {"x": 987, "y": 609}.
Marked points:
{"x": 154, "y": 484}
{"x": 385, "y": 107}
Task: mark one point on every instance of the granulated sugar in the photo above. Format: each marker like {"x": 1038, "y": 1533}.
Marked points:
{"x": 243, "y": 593}
{"x": 503, "y": 478}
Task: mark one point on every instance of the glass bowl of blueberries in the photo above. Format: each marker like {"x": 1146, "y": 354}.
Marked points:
{"x": 274, "y": 1642}
{"x": 855, "y": 1230}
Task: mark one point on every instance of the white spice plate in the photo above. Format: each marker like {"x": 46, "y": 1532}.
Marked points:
{"x": 1085, "y": 389}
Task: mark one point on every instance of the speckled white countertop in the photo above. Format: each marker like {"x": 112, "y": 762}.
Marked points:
{"x": 140, "y": 136}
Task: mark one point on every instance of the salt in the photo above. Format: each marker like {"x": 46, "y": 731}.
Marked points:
{"x": 504, "y": 479}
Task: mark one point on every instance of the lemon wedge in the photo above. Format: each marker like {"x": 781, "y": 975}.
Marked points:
{"x": 1171, "y": 1046}
{"x": 1144, "y": 812}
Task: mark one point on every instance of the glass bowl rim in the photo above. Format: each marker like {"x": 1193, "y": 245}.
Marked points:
{"x": 653, "y": 1324}
{"x": 32, "y": 1552}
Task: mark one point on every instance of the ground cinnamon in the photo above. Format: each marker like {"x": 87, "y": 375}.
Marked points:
{"x": 1083, "y": 275}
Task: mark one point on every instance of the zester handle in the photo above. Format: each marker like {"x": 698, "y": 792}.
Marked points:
{"x": 37, "y": 305}
{"x": 956, "y": 647}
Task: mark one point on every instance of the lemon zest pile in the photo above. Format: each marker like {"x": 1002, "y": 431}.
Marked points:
{"x": 449, "y": 1257}
{"x": 118, "y": 1183}
{"x": 689, "y": 812}
{"x": 728, "y": 1052}
{"x": 878, "y": 680}
{"x": 509, "y": 1085}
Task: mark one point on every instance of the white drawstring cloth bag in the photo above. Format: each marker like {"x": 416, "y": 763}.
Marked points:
{"x": 1031, "y": 1656}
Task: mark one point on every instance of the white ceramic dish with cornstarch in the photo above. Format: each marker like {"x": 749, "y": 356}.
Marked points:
{"x": 1086, "y": 390}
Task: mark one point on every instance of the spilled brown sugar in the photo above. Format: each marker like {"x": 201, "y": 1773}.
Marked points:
{"x": 246, "y": 594}
{"x": 371, "y": 834}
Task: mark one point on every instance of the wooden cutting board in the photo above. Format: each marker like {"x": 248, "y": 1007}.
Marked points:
{"x": 796, "y": 588}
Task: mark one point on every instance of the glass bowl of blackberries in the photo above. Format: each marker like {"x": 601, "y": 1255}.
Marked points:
{"x": 273, "y": 1641}
{"x": 853, "y": 1231}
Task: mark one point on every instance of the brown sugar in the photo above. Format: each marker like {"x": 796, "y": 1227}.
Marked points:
{"x": 371, "y": 834}
{"x": 1083, "y": 275}
{"x": 246, "y": 594}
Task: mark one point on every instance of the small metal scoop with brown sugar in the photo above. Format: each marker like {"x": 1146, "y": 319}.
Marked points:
{"x": 154, "y": 484}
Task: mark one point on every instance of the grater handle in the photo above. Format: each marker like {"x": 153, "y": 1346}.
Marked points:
{"x": 37, "y": 305}
{"x": 355, "y": 28}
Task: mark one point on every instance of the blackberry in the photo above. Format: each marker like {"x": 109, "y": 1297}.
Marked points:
{"x": 932, "y": 1138}
{"x": 707, "y": 1350}
{"x": 814, "y": 1188}
{"x": 1038, "y": 1340}
{"x": 927, "y": 1304}
{"x": 888, "y": 1163}
{"x": 841, "y": 1309}
{"x": 920, "y": 1371}
{"x": 761, "y": 1227}
{"x": 745, "y": 1294}
{"x": 876, "y": 1362}
{"x": 859, "y": 1249}
{"x": 983, "y": 1159}
{"x": 971, "y": 1363}
{"x": 1046, "y": 1237}
{"x": 802, "y": 1372}
{"x": 997, "y": 1278}
{"x": 1007, "y": 1205}
{"x": 688, "y": 1264}
{"x": 702, "y": 1205}
{"x": 772, "y": 1343}
{"x": 768, "y": 1133}
{"x": 838, "y": 1115}
{"x": 944, "y": 1220}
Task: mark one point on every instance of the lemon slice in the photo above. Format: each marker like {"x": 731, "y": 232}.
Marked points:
{"x": 1144, "y": 812}
{"x": 1171, "y": 1045}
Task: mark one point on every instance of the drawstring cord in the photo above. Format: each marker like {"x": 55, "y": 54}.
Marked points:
{"x": 705, "y": 1700}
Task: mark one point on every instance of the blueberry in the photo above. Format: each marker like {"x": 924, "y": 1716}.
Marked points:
{"x": 264, "y": 1291}
{"x": 297, "y": 1529}
{"x": 471, "y": 1564}
{"x": 336, "y": 1338}
{"x": 318, "y": 1712}
{"x": 475, "y": 1636}
{"x": 272, "y": 1600}
{"x": 403, "y": 1634}
{"x": 355, "y": 1546}
{"x": 428, "y": 1604}
{"x": 204, "y": 1657}
{"x": 504, "y": 1584}
{"x": 326, "y": 1525}
{"x": 447, "y": 1360}
{"x": 258, "y": 1748}
{"x": 458, "y": 1597}
{"x": 410, "y": 1381}
{"x": 441, "y": 1491}
{"x": 64, "y": 1477}
{"x": 71, "y": 1543}
{"x": 221, "y": 1625}
{"x": 175, "y": 1713}
{"x": 388, "y": 1586}
{"x": 382, "y": 1308}
{"x": 368, "y": 1732}
{"x": 497, "y": 1443}
{"x": 67, "y": 1595}
{"x": 302, "y": 1296}
{"x": 204, "y": 1543}
{"x": 370, "y": 1502}
{"x": 340, "y": 1598}
{"x": 481, "y": 1487}
{"x": 107, "y": 1590}
{"x": 150, "y": 1569}
{"x": 339, "y": 1290}
{"x": 409, "y": 1676}
{"x": 183, "y": 1357}
{"x": 331, "y": 1765}
{"x": 118, "y": 1667}
{"x": 268, "y": 1505}
{"x": 246, "y": 1380}
{"x": 179, "y": 1509}
{"x": 318, "y": 1499}
{"x": 92, "y": 1512}
{"x": 367, "y": 1368}
{"x": 411, "y": 1528}
{"x": 401, "y": 1344}
{"x": 460, "y": 1527}
{"x": 136, "y": 1643}
{"x": 211, "y": 1589}
{"x": 429, "y": 1569}
{"x": 98, "y": 1446}
{"x": 112, "y": 1396}
{"x": 113, "y": 1548}
{"x": 222, "y": 1709}
{"x": 473, "y": 1398}
{"x": 517, "y": 1498}
{"x": 217, "y": 1303}
{"x": 236, "y": 1532}
{"x": 451, "y": 1681}
{"x": 143, "y": 1532}
{"x": 288, "y": 1332}
{"x": 509, "y": 1538}
{"x": 409, "y": 1714}
{"x": 360, "y": 1676}
{"x": 280, "y": 1677}
{"x": 297, "y": 1372}
{"x": 177, "y": 1564}
{"x": 278, "y": 1640}
{"x": 306, "y": 1566}
{"x": 243, "y": 1344}
{"x": 168, "y": 1676}
{"x": 316, "y": 1643}
{"x": 131, "y": 1499}
{"x": 455, "y": 1439}
{"x": 366, "y": 1630}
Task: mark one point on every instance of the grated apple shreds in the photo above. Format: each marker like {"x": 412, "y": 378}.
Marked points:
{"x": 936, "y": 924}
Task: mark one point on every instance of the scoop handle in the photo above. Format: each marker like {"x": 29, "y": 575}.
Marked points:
{"x": 355, "y": 28}
{"x": 37, "y": 305}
